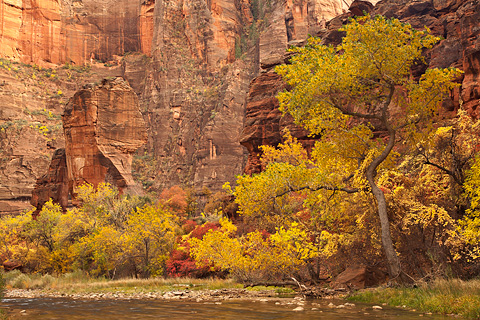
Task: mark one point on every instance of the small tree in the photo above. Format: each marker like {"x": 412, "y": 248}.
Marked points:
{"x": 344, "y": 94}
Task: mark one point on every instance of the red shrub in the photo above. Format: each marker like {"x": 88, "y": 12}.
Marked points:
{"x": 181, "y": 264}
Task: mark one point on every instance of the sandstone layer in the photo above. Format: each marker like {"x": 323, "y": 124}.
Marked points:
{"x": 78, "y": 31}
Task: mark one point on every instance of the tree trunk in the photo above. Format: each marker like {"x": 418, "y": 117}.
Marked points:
{"x": 393, "y": 262}
{"x": 394, "y": 268}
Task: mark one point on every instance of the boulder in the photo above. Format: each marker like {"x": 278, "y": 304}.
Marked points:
{"x": 359, "y": 277}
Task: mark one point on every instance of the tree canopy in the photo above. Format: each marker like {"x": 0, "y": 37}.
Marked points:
{"x": 361, "y": 99}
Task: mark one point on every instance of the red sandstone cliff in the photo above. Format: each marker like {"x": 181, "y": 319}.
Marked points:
{"x": 52, "y": 31}
{"x": 103, "y": 128}
{"x": 192, "y": 67}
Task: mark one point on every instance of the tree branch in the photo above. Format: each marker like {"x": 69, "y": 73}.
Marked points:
{"x": 356, "y": 114}
{"x": 291, "y": 189}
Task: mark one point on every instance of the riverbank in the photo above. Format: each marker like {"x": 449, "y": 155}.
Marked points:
{"x": 179, "y": 294}
{"x": 450, "y": 297}
{"x": 77, "y": 285}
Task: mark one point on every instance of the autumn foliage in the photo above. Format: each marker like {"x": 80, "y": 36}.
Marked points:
{"x": 108, "y": 235}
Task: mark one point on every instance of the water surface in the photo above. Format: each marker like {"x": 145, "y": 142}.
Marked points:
{"x": 55, "y": 308}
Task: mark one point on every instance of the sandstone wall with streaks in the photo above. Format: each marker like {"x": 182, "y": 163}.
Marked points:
{"x": 190, "y": 62}
{"x": 48, "y": 32}
{"x": 103, "y": 128}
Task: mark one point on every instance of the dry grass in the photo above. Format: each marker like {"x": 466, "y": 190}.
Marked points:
{"x": 452, "y": 296}
{"x": 78, "y": 282}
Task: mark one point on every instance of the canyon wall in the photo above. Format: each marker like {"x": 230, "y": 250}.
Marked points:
{"x": 205, "y": 53}
{"x": 103, "y": 127}
{"x": 55, "y": 32}
{"x": 190, "y": 62}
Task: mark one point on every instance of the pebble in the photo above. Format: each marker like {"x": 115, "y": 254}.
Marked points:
{"x": 196, "y": 295}
{"x": 298, "y": 309}
{"x": 377, "y": 308}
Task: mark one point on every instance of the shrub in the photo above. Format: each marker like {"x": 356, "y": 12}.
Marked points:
{"x": 181, "y": 263}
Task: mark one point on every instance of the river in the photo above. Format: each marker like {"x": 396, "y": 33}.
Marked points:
{"x": 55, "y": 308}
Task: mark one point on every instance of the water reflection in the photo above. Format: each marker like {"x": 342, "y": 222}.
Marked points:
{"x": 43, "y": 308}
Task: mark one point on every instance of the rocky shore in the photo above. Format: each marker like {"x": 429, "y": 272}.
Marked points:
{"x": 195, "y": 295}
{"x": 181, "y": 294}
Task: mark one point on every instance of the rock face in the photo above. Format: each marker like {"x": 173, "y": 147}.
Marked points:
{"x": 203, "y": 64}
{"x": 103, "y": 128}
{"x": 53, "y": 184}
{"x": 456, "y": 21}
{"x": 52, "y": 31}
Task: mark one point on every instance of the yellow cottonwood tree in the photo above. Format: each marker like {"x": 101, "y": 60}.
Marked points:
{"x": 343, "y": 93}
{"x": 150, "y": 236}
{"x": 470, "y": 224}
{"x": 254, "y": 256}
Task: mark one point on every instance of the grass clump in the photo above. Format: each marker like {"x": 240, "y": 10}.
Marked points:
{"x": 452, "y": 296}
{"x": 80, "y": 282}
{"x": 3, "y": 314}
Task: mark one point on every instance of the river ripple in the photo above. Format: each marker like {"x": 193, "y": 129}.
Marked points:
{"x": 57, "y": 308}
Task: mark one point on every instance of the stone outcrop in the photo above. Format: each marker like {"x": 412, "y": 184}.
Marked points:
{"x": 359, "y": 277}
{"x": 103, "y": 128}
{"x": 53, "y": 184}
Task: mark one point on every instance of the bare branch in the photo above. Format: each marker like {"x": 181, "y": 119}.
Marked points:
{"x": 292, "y": 189}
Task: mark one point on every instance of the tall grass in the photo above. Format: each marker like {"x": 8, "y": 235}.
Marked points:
{"x": 79, "y": 282}
{"x": 452, "y": 296}
{"x": 3, "y": 314}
